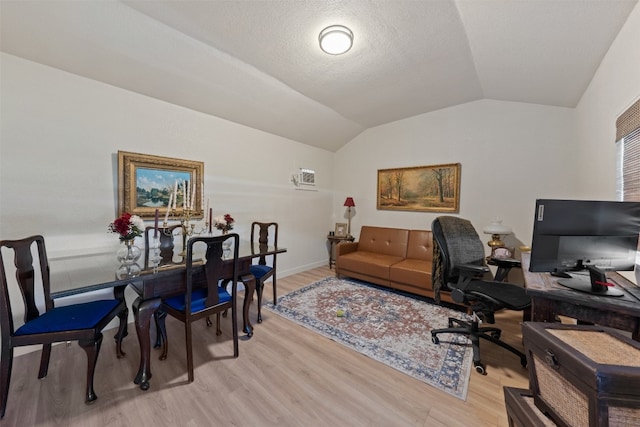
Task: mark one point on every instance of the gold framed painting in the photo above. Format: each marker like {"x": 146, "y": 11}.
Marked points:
{"x": 147, "y": 182}
{"x": 434, "y": 188}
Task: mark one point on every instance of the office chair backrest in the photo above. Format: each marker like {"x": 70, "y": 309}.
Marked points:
{"x": 455, "y": 242}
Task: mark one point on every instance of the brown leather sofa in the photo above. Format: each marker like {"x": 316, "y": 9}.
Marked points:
{"x": 392, "y": 257}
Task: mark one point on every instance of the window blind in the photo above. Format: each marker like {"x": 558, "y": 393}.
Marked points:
{"x": 628, "y": 140}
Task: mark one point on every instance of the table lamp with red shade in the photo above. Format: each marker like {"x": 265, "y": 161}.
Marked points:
{"x": 349, "y": 203}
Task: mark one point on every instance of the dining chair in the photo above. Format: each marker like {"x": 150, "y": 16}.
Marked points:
{"x": 167, "y": 244}
{"x": 206, "y": 292}
{"x": 264, "y": 233}
{"x": 44, "y": 322}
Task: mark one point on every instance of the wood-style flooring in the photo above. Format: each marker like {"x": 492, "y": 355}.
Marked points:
{"x": 286, "y": 375}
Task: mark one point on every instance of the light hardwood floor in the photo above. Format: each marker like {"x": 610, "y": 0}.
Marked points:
{"x": 286, "y": 375}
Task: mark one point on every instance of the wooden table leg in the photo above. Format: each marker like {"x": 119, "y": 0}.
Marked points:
{"x": 143, "y": 312}
{"x": 542, "y": 310}
{"x": 249, "y": 282}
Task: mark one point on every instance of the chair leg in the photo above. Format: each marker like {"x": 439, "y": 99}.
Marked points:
{"x": 209, "y": 323}
{"x": 161, "y": 327}
{"x": 92, "y": 348}
{"x": 159, "y": 316}
{"x": 44, "y": 361}
{"x": 234, "y": 323}
{"x": 5, "y": 376}
{"x": 273, "y": 283}
{"x": 259, "y": 291}
{"x": 218, "y": 329}
{"x": 122, "y": 331}
{"x": 187, "y": 330}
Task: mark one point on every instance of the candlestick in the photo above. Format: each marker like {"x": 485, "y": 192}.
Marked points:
{"x": 210, "y": 217}
{"x": 193, "y": 196}
{"x": 175, "y": 194}
{"x": 155, "y": 227}
{"x": 166, "y": 215}
{"x": 184, "y": 195}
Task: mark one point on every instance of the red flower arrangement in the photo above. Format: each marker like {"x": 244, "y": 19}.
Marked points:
{"x": 224, "y": 223}
{"x": 127, "y": 226}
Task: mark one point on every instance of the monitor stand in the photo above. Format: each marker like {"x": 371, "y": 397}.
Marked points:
{"x": 590, "y": 284}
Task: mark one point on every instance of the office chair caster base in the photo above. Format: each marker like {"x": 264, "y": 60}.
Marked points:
{"x": 479, "y": 367}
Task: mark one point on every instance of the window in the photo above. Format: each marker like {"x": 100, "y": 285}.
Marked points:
{"x": 628, "y": 154}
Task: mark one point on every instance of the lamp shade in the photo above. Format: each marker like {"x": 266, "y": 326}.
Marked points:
{"x": 496, "y": 227}
{"x": 349, "y": 202}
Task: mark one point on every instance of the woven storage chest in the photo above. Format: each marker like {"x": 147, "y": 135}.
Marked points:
{"x": 522, "y": 411}
{"x": 583, "y": 375}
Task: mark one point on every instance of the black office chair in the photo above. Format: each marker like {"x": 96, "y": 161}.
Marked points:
{"x": 459, "y": 265}
{"x": 206, "y": 293}
{"x": 46, "y": 325}
{"x": 266, "y": 232}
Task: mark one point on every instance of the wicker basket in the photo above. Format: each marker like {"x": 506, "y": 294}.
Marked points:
{"x": 584, "y": 375}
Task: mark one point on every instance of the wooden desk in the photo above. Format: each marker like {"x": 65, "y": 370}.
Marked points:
{"x": 549, "y": 299}
{"x": 333, "y": 241}
{"x": 71, "y": 276}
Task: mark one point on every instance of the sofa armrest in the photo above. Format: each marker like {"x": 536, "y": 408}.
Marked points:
{"x": 343, "y": 248}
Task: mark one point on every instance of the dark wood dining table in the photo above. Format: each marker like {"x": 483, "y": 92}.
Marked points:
{"x": 75, "y": 275}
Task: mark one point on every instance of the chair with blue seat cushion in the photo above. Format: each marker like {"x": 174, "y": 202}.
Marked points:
{"x": 81, "y": 322}
{"x": 264, "y": 234}
{"x": 166, "y": 245}
{"x": 206, "y": 291}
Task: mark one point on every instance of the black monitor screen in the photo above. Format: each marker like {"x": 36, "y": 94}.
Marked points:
{"x": 570, "y": 235}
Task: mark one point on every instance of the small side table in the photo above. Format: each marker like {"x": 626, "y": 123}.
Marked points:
{"x": 333, "y": 241}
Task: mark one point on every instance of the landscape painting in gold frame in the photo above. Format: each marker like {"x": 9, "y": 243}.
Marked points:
{"x": 145, "y": 183}
{"x": 433, "y": 188}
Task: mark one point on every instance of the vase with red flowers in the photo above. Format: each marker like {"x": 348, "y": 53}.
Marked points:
{"x": 128, "y": 227}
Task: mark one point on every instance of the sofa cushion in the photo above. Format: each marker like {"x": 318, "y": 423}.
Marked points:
{"x": 412, "y": 271}
{"x": 383, "y": 240}
{"x": 369, "y": 263}
{"x": 420, "y": 245}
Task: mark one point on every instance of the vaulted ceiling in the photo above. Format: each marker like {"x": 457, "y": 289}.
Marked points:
{"x": 258, "y": 63}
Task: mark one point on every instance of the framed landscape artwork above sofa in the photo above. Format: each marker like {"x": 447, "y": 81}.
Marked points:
{"x": 433, "y": 188}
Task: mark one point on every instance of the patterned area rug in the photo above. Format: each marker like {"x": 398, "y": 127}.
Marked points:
{"x": 387, "y": 326}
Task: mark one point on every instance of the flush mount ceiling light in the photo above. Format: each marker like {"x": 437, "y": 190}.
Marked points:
{"x": 336, "y": 39}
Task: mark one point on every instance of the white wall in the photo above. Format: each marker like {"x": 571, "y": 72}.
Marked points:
{"x": 58, "y": 164}
{"x": 615, "y": 86}
{"x": 510, "y": 154}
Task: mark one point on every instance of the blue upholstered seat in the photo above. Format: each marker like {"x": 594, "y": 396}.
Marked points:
{"x": 260, "y": 270}
{"x": 69, "y": 318}
{"x": 198, "y": 299}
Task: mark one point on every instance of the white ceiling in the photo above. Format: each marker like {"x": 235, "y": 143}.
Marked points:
{"x": 258, "y": 62}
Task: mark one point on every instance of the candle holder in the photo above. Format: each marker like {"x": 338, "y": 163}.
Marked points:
{"x": 187, "y": 226}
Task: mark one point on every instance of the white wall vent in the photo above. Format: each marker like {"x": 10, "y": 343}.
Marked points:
{"x": 307, "y": 177}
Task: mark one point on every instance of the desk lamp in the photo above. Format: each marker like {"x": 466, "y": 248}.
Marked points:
{"x": 349, "y": 203}
{"x": 496, "y": 229}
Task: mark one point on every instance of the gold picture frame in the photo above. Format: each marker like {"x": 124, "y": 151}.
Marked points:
{"x": 145, "y": 182}
{"x": 341, "y": 229}
{"x": 434, "y": 188}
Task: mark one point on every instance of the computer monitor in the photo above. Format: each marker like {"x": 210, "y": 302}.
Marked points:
{"x": 571, "y": 236}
